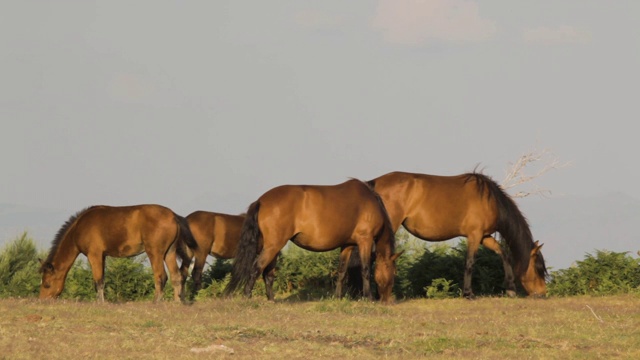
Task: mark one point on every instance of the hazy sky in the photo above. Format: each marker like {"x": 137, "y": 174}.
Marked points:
{"x": 208, "y": 104}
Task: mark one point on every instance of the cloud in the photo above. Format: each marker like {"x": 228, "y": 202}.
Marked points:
{"x": 415, "y": 22}
{"x": 563, "y": 34}
{"x": 318, "y": 19}
{"x": 128, "y": 87}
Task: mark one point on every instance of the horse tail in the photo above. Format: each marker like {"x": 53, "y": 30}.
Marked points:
{"x": 512, "y": 226}
{"x": 244, "y": 263}
{"x": 184, "y": 238}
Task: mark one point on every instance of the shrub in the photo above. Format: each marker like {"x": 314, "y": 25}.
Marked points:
{"x": 306, "y": 274}
{"x": 441, "y": 289}
{"x": 125, "y": 279}
{"x": 19, "y": 276}
{"x": 606, "y": 273}
{"x": 427, "y": 265}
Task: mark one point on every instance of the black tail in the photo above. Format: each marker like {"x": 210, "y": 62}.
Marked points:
{"x": 244, "y": 263}
{"x": 512, "y": 226}
{"x": 185, "y": 238}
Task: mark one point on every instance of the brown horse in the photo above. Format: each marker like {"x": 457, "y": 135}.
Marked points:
{"x": 316, "y": 218}
{"x": 438, "y": 208}
{"x": 216, "y": 234}
{"x": 125, "y": 231}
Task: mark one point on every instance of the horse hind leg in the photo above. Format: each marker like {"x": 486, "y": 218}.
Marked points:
{"x": 364, "y": 248}
{"x": 509, "y": 280}
{"x": 266, "y": 257}
{"x": 269, "y": 275}
{"x": 473, "y": 243}
{"x": 159, "y": 275}
{"x": 345, "y": 255}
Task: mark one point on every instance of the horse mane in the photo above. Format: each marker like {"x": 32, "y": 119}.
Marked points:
{"x": 387, "y": 220}
{"x": 511, "y": 224}
{"x": 61, "y": 235}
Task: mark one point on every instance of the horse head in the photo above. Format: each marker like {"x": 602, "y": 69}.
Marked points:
{"x": 385, "y": 273}
{"x": 52, "y": 281}
{"x": 533, "y": 280}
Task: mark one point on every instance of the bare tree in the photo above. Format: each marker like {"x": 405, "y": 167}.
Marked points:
{"x": 544, "y": 160}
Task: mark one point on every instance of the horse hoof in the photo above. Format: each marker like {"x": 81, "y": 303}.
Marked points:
{"x": 511, "y": 293}
{"x": 469, "y": 296}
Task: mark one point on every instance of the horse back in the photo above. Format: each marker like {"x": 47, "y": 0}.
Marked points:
{"x": 125, "y": 230}
{"x": 347, "y": 208}
{"x": 217, "y": 234}
{"x": 436, "y": 207}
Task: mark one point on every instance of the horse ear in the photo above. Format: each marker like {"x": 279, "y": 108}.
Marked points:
{"x": 47, "y": 267}
{"x": 396, "y": 255}
{"x": 536, "y": 248}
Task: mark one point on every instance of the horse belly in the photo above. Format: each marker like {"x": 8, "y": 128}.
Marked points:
{"x": 317, "y": 243}
{"x": 432, "y": 230}
{"x": 126, "y": 250}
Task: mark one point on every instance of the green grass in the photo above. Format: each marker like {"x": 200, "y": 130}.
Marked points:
{"x": 496, "y": 328}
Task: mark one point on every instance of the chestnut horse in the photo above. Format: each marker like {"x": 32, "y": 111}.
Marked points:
{"x": 316, "y": 218}
{"x": 216, "y": 234}
{"x": 124, "y": 231}
{"x": 438, "y": 208}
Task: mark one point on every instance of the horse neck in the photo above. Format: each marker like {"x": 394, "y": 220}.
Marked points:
{"x": 384, "y": 248}
{"x": 65, "y": 255}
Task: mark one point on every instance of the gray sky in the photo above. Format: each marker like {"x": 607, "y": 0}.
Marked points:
{"x": 208, "y": 104}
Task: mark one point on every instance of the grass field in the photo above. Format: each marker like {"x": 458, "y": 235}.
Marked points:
{"x": 487, "y": 328}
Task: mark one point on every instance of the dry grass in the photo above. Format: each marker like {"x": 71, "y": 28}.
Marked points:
{"x": 487, "y": 328}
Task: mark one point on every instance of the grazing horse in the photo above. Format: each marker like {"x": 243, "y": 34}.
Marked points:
{"x": 216, "y": 234}
{"x": 316, "y": 218}
{"x": 124, "y": 231}
{"x": 438, "y": 208}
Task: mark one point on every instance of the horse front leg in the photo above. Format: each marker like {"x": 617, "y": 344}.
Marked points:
{"x": 196, "y": 273}
{"x": 509, "y": 280}
{"x": 159, "y": 275}
{"x": 97, "y": 269}
{"x": 343, "y": 265}
{"x": 175, "y": 275}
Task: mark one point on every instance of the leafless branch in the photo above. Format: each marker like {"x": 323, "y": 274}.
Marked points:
{"x": 515, "y": 175}
{"x": 594, "y": 314}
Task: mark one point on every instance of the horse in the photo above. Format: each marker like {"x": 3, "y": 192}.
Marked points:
{"x": 316, "y": 218}
{"x": 438, "y": 208}
{"x": 119, "y": 231}
{"x": 216, "y": 234}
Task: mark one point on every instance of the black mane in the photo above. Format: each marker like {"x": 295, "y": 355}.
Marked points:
{"x": 61, "y": 235}
{"x": 512, "y": 224}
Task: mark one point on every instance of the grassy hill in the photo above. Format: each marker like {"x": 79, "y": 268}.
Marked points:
{"x": 487, "y": 328}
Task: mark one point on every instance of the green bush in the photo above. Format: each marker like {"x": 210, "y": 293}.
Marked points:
{"x": 128, "y": 279}
{"x": 606, "y": 273}
{"x": 19, "y": 276}
{"x": 441, "y": 289}
{"x": 79, "y": 282}
{"x": 306, "y": 274}
{"x": 423, "y": 263}
{"x": 125, "y": 279}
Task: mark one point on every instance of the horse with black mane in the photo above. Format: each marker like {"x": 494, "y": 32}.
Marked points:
{"x": 316, "y": 218}
{"x": 438, "y": 208}
{"x": 119, "y": 231}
